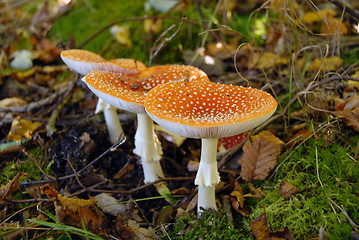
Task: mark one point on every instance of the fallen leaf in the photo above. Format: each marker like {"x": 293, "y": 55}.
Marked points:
{"x": 333, "y": 26}
{"x": 349, "y": 117}
{"x": 152, "y": 26}
{"x": 12, "y": 102}
{"x": 237, "y": 199}
{"x": 122, "y": 34}
{"x": 259, "y": 156}
{"x": 7, "y": 190}
{"x": 255, "y": 192}
{"x": 122, "y": 228}
{"x": 238, "y": 193}
{"x": 287, "y": 189}
{"x": 265, "y": 60}
{"x": 300, "y": 136}
{"x": 261, "y": 230}
{"x": 22, "y": 128}
{"x": 349, "y": 104}
{"x": 325, "y": 64}
{"x": 79, "y": 213}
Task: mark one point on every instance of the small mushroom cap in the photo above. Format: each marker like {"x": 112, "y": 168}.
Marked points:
{"x": 202, "y": 109}
{"x": 128, "y": 91}
{"x": 84, "y": 62}
{"x": 129, "y": 63}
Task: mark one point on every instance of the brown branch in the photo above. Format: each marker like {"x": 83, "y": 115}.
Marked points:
{"x": 351, "y": 11}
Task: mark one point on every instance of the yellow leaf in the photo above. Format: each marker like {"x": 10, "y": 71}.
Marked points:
{"x": 152, "y": 25}
{"x": 22, "y": 128}
{"x": 265, "y": 60}
{"x": 12, "y": 102}
{"x": 333, "y": 26}
{"x": 122, "y": 34}
{"x": 326, "y": 64}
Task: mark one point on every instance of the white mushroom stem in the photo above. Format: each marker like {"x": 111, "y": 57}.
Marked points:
{"x": 207, "y": 175}
{"x": 148, "y": 148}
{"x": 114, "y": 127}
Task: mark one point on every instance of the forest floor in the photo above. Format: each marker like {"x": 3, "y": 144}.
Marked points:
{"x": 296, "y": 176}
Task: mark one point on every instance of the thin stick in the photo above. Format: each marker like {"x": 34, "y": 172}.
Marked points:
{"x": 34, "y": 105}
{"x": 50, "y": 126}
{"x": 155, "y": 50}
{"x": 354, "y": 13}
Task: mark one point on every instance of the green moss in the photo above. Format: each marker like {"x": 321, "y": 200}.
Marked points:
{"x": 87, "y": 17}
{"x": 210, "y": 226}
{"x": 308, "y": 211}
{"x": 26, "y": 165}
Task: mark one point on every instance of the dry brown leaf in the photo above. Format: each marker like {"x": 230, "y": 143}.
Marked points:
{"x": 237, "y": 199}
{"x": 238, "y": 194}
{"x": 261, "y": 230}
{"x": 349, "y": 117}
{"x": 259, "y": 156}
{"x": 287, "y": 189}
{"x": 77, "y": 212}
{"x": 7, "y": 190}
{"x": 349, "y": 103}
{"x": 22, "y": 128}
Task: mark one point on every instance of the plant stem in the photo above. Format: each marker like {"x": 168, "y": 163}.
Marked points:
{"x": 207, "y": 175}
{"x": 148, "y": 148}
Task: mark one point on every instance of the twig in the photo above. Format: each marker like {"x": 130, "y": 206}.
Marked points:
{"x": 34, "y": 105}
{"x": 228, "y": 208}
{"x": 76, "y": 175}
{"x": 157, "y": 48}
{"x": 50, "y": 126}
{"x": 112, "y": 148}
{"x": 133, "y": 190}
{"x": 354, "y": 13}
{"x": 129, "y": 20}
{"x": 37, "y": 163}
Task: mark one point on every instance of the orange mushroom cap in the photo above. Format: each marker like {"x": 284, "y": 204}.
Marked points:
{"x": 84, "y": 62}
{"x": 128, "y": 91}
{"x": 202, "y": 109}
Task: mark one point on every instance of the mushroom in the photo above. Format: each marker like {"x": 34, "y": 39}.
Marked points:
{"x": 84, "y": 62}
{"x": 128, "y": 92}
{"x": 206, "y": 110}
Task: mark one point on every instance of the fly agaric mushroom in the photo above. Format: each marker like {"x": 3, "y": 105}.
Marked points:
{"x": 206, "y": 110}
{"x": 84, "y": 62}
{"x": 128, "y": 92}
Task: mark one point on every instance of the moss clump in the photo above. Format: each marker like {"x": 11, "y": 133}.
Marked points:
{"x": 210, "y": 226}
{"x": 26, "y": 165}
{"x": 312, "y": 209}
